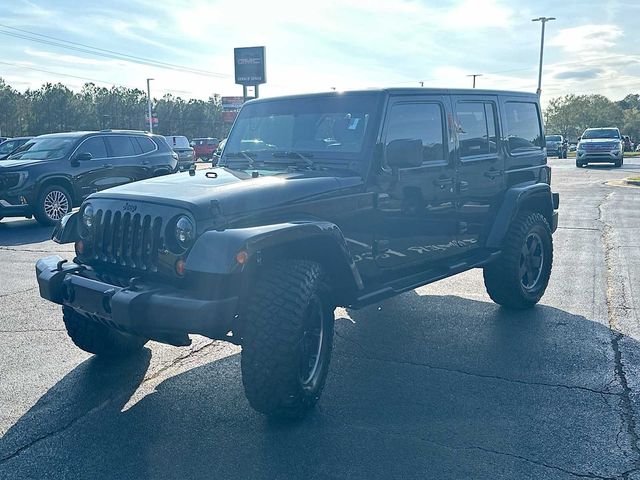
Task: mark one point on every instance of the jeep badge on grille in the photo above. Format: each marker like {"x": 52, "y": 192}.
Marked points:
{"x": 127, "y": 207}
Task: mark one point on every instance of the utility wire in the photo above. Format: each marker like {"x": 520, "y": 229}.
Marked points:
{"x": 85, "y": 78}
{"x": 91, "y": 50}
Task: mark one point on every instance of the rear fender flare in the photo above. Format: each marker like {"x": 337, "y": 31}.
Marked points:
{"x": 534, "y": 197}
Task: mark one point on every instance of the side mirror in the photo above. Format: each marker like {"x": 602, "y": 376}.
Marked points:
{"x": 82, "y": 157}
{"x": 404, "y": 152}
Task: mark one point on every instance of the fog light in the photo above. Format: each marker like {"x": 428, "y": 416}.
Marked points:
{"x": 180, "y": 267}
{"x": 79, "y": 247}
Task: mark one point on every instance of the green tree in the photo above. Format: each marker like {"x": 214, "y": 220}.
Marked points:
{"x": 572, "y": 114}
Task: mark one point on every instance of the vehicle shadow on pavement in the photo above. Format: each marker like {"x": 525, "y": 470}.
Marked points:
{"x": 420, "y": 387}
{"x": 23, "y": 232}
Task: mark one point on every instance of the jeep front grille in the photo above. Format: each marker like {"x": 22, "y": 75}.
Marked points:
{"x": 126, "y": 239}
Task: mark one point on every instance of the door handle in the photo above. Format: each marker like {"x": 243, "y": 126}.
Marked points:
{"x": 492, "y": 174}
{"x": 462, "y": 185}
{"x": 443, "y": 182}
{"x": 145, "y": 162}
{"x": 107, "y": 165}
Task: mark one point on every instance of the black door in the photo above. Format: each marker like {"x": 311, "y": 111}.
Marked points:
{"x": 480, "y": 167}
{"x": 88, "y": 174}
{"x": 126, "y": 162}
{"x": 416, "y": 205}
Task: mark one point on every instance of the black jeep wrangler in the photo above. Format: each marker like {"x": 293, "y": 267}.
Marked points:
{"x": 325, "y": 200}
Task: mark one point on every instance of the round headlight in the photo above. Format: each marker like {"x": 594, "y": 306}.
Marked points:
{"x": 185, "y": 231}
{"x": 87, "y": 216}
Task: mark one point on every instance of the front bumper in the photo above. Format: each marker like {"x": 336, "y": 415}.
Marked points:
{"x": 159, "y": 312}
{"x": 599, "y": 157}
{"x": 12, "y": 209}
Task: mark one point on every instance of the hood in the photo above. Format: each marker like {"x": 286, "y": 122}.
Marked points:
{"x": 232, "y": 192}
{"x": 18, "y": 164}
{"x": 600, "y": 140}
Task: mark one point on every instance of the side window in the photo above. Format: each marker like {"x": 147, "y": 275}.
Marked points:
{"x": 121, "y": 146}
{"x": 95, "y": 146}
{"x": 476, "y": 128}
{"x": 418, "y": 121}
{"x": 145, "y": 144}
{"x": 523, "y": 127}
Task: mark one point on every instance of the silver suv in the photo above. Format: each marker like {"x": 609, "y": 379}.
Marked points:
{"x": 600, "y": 145}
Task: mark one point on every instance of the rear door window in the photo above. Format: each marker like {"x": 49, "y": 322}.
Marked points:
{"x": 476, "y": 128}
{"x": 523, "y": 127}
{"x": 121, "y": 146}
{"x": 95, "y": 146}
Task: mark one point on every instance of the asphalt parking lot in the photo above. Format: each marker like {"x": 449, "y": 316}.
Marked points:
{"x": 436, "y": 383}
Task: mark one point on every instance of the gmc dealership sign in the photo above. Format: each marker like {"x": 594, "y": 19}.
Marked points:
{"x": 250, "y": 67}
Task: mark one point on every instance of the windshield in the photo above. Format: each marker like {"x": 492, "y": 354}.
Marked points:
{"x": 553, "y": 138}
{"x": 8, "y": 146}
{"x": 601, "y": 133}
{"x": 45, "y": 148}
{"x": 177, "y": 141}
{"x": 327, "y": 126}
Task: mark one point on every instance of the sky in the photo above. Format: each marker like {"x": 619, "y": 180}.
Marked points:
{"x": 324, "y": 44}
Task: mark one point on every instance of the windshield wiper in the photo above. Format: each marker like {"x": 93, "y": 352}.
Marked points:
{"x": 292, "y": 154}
{"x": 241, "y": 154}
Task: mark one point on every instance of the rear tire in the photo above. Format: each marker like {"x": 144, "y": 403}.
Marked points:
{"x": 519, "y": 278}
{"x": 99, "y": 339}
{"x": 53, "y": 203}
{"x": 287, "y": 339}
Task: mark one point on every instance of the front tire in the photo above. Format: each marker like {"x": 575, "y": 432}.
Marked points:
{"x": 519, "y": 278}
{"x": 287, "y": 339}
{"x": 53, "y": 203}
{"x": 99, "y": 339}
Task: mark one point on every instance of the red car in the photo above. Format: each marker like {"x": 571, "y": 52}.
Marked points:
{"x": 204, "y": 147}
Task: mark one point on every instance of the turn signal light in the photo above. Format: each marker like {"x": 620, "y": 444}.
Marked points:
{"x": 242, "y": 257}
{"x": 180, "y": 267}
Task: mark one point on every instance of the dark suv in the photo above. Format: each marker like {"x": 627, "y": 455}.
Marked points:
{"x": 50, "y": 174}
{"x": 325, "y": 200}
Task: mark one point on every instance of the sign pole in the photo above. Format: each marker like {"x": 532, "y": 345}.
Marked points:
{"x": 244, "y": 93}
{"x": 255, "y": 91}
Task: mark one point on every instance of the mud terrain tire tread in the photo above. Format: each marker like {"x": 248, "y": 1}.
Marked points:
{"x": 501, "y": 277}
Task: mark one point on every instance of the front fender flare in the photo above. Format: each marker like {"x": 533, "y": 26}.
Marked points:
{"x": 215, "y": 251}
{"x": 66, "y": 230}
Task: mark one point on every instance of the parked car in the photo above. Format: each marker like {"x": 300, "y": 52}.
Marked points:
{"x": 50, "y": 174}
{"x": 11, "y": 144}
{"x": 186, "y": 154}
{"x": 628, "y": 144}
{"x": 3, "y": 139}
{"x": 557, "y": 145}
{"x": 573, "y": 146}
{"x": 322, "y": 200}
{"x": 204, "y": 147}
{"x": 600, "y": 145}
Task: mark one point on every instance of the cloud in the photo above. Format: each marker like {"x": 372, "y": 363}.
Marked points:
{"x": 589, "y": 39}
{"x": 587, "y": 74}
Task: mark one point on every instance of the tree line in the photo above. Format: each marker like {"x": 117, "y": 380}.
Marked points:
{"x": 56, "y": 108}
{"x": 570, "y": 115}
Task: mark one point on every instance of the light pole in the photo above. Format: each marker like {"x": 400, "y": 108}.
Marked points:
{"x": 543, "y": 20}
{"x": 474, "y": 75}
{"x": 149, "y": 104}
